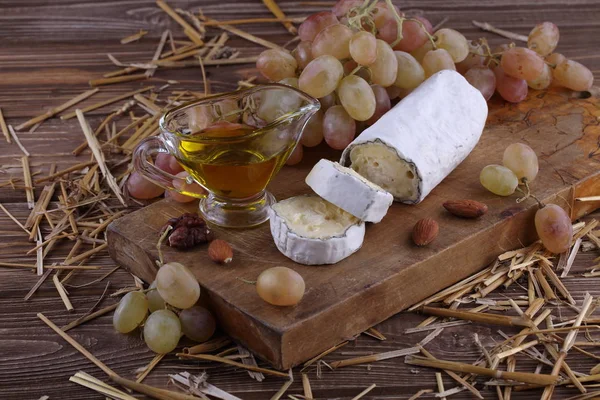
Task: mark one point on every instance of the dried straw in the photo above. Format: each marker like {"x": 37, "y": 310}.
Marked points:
{"x": 106, "y": 102}
{"x": 4, "y": 128}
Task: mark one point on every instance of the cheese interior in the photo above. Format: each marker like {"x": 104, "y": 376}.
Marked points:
{"x": 358, "y": 176}
{"x": 315, "y": 218}
{"x": 380, "y": 164}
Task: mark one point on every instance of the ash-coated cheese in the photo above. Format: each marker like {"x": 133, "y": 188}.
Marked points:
{"x": 416, "y": 144}
{"x": 349, "y": 191}
{"x": 311, "y": 231}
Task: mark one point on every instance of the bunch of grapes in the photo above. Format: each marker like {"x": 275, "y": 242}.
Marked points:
{"x": 360, "y": 56}
{"x": 171, "y": 302}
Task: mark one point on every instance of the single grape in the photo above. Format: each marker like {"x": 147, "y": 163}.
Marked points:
{"x": 393, "y": 91}
{"x": 314, "y": 24}
{"x": 543, "y": 81}
{"x": 141, "y": 188}
{"x": 363, "y": 48}
{"x": 498, "y": 180}
{"x": 554, "y": 228}
{"x": 385, "y": 67}
{"x": 414, "y": 34}
{"x": 277, "y": 102}
{"x": 177, "y": 285}
{"x": 483, "y": 79}
{"x": 341, "y": 8}
{"x": 357, "y": 97}
{"x": 168, "y": 163}
{"x": 382, "y": 103}
{"x": 555, "y": 59}
{"x": 471, "y": 61}
{"x": 522, "y": 63}
{"x": 420, "y": 52}
{"x": 312, "y": 134}
{"x": 155, "y": 302}
{"x": 280, "y": 286}
{"x": 522, "y": 160}
{"x": 162, "y": 331}
{"x": 543, "y": 38}
{"x": 334, "y": 41}
{"x": 338, "y": 128}
{"x": 130, "y": 312}
{"x": 303, "y": 54}
{"x": 327, "y": 101}
{"x": 573, "y": 75}
{"x": 296, "y": 155}
{"x": 437, "y": 60}
{"x": 410, "y": 73}
{"x": 511, "y": 89}
{"x": 382, "y": 14}
{"x": 276, "y": 64}
{"x": 184, "y": 186}
{"x": 197, "y": 323}
{"x": 321, "y": 76}
{"x": 453, "y": 42}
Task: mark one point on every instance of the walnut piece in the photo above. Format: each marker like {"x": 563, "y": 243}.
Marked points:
{"x": 188, "y": 231}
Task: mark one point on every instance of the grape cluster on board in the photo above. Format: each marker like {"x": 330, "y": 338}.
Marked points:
{"x": 360, "y": 56}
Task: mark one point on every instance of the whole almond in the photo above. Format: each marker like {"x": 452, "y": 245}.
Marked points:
{"x": 425, "y": 231}
{"x": 465, "y": 208}
{"x": 220, "y": 251}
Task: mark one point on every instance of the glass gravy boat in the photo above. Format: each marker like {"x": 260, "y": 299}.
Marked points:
{"x": 232, "y": 145}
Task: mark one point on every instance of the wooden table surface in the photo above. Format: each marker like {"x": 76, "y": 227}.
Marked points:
{"x": 50, "y": 49}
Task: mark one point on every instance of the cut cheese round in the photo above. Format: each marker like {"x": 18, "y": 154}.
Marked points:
{"x": 349, "y": 191}
{"x": 416, "y": 144}
{"x": 312, "y": 231}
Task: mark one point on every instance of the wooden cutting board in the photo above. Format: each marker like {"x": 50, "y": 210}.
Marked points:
{"x": 389, "y": 273}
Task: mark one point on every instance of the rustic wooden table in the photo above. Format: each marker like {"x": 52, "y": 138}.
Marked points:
{"x": 50, "y": 49}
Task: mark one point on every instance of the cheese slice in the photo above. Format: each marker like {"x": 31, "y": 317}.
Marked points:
{"x": 349, "y": 191}
{"x": 416, "y": 144}
{"x": 309, "y": 230}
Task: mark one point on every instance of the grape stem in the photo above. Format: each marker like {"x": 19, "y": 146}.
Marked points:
{"x": 247, "y": 281}
{"x": 355, "y": 70}
{"x": 159, "y": 245}
{"x": 501, "y": 32}
{"x": 528, "y": 193}
{"x": 400, "y": 20}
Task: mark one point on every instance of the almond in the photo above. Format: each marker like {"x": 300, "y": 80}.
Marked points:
{"x": 220, "y": 251}
{"x": 466, "y": 208}
{"x": 425, "y": 231}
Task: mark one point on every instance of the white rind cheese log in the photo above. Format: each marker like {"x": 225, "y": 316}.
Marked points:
{"x": 349, "y": 191}
{"x": 312, "y": 231}
{"x": 416, "y": 144}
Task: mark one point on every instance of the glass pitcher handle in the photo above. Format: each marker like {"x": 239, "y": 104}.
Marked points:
{"x": 150, "y": 147}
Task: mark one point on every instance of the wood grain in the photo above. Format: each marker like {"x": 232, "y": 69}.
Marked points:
{"x": 51, "y": 49}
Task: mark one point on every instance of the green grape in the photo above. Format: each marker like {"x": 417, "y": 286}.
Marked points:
{"x": 543, "y": 38}
{"x": 410, "y": 72}
{"x": 437, "y": 60}
{"x": 554, "y": 228}
{"x": 321, "y": 76}
{"x": 542, "y": 81}
{"x": 573, "y": 75}
{"x": 385, "y": 67}
{"x": 312, "y": 134}
{"x": 293, "y": 82}
{"x": 498, "y": 180}
{"x": 197, "y": 323}
{"x": 303, "y": 54}
{"x": 419, "y": 52}
{"x": 555, "y": 58}
{"x": 357, "y": 97}
{"x": 130, "y": 312}
{"x": 334, "y": 41}
{"x": 363, "y": 48}
{"x": 276, "y": 64}
{"x": 522, "y": 160}
{"x": 162, "y": 331}
{"x": 277, "y": 102}
{"x": 177, "y": 285}
{"x": 280, "y": 286}
{"x": 155, "y": 302}
{"x": 453, "y": 42}
{"x": 522, "y": 63}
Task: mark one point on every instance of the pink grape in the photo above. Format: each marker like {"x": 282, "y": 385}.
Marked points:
{"x": 555, "y": 58}
{"x": 141, "y": 188}
{"x": 382, "y": 103}
{"x": 573, "y": 75}
{"x": 333, "y": 40}
{"x": 338, "y": 128}
{"x": 321, "y": 76}
{"x": 413, "y": 35}
{"x": 313, "y": 131}
{"x": 276, "y": 64}
{"x": 190, "y": 187}
{"x": 437, "y": 60}
{"x": 543, "y": 38}
{"x": 303, "y": 54}
{"x": 393, "y": 91}
{"x": 296, "y": 155}
{"x": 382, "y": 14}
{"x": 327, "y": 101}
{"x": 197, "y": 323}
{"x": 483, "y": 79}
{"x": 511, "y": 89}
{"x": 168, "y": 163}
{"x": 314, "y": 24}
{"x": 341, "y": 8}
{"x": 350, "y": 65}
{"x": 554, "y": 228}
{"x": 522, "y": 63}
{"x": 363, "y": 48}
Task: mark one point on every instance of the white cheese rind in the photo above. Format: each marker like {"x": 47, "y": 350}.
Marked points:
{"x": 349, "y": 191}
{"x": 315, "y": 250}
{"x": 430, "y": 132}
